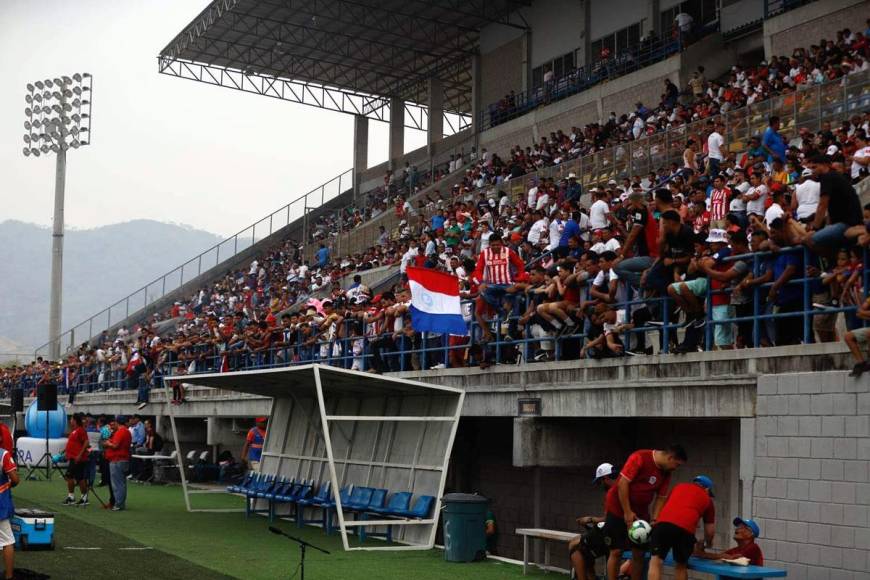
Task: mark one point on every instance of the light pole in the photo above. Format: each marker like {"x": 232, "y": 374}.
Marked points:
{"x": 58, "y": 116}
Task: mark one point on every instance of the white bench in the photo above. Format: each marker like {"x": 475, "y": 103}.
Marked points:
{"x": 542, "y": 534}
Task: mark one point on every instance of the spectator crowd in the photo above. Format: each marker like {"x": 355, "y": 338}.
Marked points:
{"x": 693, "y": 252}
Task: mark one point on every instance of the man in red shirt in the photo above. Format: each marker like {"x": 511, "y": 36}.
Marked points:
{"x": 745, "y": 532}
{"x": 6, "y": 441}
{"x": 646, "y": 473}
{"x": 498, "y": 267}
{"x": 77, "y": 454}
{"x": 675, "y": 529}
{"x": 118, "y": 456}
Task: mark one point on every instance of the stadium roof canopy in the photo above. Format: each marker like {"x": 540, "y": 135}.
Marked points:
{"x": 345, "y": 55}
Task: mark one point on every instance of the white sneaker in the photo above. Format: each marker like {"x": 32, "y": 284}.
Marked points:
{"x": 439, "y": 366}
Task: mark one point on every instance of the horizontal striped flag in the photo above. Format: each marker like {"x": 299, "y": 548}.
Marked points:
{"x": 435, "y": 303}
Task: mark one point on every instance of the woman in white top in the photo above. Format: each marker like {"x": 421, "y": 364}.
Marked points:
{"x": 806, "y": 197}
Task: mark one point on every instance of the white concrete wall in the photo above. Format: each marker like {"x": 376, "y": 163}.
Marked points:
{"x": 611, "y": 15}
{"x": 812, "y": 480}
{"x": 557, "y": 28}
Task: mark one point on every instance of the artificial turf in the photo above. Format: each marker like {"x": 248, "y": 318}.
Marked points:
{"x": 157, "y": 538}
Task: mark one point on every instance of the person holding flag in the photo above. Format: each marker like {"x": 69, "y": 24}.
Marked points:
{"x": 498, "y": 267}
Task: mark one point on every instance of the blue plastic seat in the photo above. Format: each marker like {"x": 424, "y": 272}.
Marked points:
{"x": 329, "y": 507}
{"x": 422, "y": 508}
{"x": 317, "y": 499}
{"x": 359, "y": 501}
{"x": 246, "y": 481}
{"x": 399, "y": 501}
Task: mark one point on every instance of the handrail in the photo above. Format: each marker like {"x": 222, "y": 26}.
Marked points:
{"x": 247, "y": 236}
{"x": 360, "y": 351}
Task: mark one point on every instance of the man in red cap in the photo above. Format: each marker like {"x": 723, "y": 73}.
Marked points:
{"x": 253, "y": 449}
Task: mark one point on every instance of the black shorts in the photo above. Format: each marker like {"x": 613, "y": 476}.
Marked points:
{"x": 616, "y": 534}
{"x": 666, "y": 537}
{"x": 592, "y": 544}
{"x": 77, "y": 471}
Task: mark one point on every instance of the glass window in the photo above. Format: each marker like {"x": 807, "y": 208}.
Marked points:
{"x": 537, "y": 77}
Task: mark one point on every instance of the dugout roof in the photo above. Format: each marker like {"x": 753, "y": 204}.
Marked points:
{"x": 346, "y": 55}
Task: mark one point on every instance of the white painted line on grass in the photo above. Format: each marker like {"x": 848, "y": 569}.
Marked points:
{"x": 137, "y": 548}
{"x": 80, "y": 548}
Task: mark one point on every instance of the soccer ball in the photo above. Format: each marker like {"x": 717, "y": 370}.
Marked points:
{"x": 639, "y": 532}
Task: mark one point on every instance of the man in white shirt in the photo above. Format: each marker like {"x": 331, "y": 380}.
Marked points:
{"x": 532, "y": 196}
{"x": 557, "y": 226}
{"x": 538, "y": 228}
{"x": 409, "y": 256}
{"x": 715, "y": 142}
{"x": 806, "y": 196}
{"x": 599, "y": 212}
{"x": 604, "y": 241}
{"x": 775, "y": 211}
{"x": 861, "y": 157}
{"x": 755, "y": 196}
{"x": 684, "y": 22}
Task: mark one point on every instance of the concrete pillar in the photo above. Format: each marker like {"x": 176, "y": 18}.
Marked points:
{"x": 360, "y": 149}
{"x": 653, "y": 18}
{"x": 436, "y": 113}
{"x": 527, "y": 59}
{"x": 476, "y": 111}
{"x": 586, "y": 57}
{"x": 397, "y": 131}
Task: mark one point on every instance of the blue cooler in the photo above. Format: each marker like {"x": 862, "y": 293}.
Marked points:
{"x": 33, "y": 528}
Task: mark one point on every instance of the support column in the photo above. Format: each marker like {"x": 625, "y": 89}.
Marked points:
{"x": 477, "y": 120}
{"x": 653, "y": 18}
{"x": 397, "y": 131}
{"x": 436, "y": 114}
{"x": 527, "y": 60}
{"x": 360, "y": 150}
{"x": 587, "y": 35}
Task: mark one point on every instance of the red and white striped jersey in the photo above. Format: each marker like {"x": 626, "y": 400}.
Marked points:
{"x": 719, "y": 203}
{"x": 494, "y": 266}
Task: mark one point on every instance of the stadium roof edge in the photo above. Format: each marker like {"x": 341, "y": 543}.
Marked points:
{"x": 351, "y": 56}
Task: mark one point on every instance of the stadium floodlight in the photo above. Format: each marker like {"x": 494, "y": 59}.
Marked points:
{"x": 56, "y": 119}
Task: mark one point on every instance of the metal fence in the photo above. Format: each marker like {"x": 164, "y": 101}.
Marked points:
{"x": 298, "y": 212}
{"x": 512, "y": 342}
{"x": 807, "y": 107}
{"x": 626, "y": 62}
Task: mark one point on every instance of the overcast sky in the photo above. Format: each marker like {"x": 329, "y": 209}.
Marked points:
{"x": 163, "y": 148}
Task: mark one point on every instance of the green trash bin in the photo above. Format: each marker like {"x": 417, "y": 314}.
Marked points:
{"x": 464, "y": 523}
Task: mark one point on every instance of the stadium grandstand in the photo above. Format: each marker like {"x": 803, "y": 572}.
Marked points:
{"x": 657, "y": 212}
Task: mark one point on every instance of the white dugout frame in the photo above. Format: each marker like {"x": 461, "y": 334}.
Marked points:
{"x": 332, "y": 392}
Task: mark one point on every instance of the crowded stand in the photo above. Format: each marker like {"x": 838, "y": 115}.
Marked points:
{"x": 762, "y": 246}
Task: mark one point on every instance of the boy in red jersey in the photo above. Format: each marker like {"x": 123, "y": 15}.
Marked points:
{"x": 78, "y": 457}
{"x": 675, "y": 529}
{"x": 646, "y": 473}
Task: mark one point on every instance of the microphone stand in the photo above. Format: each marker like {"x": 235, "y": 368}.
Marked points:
{"x": 302, "y": 545}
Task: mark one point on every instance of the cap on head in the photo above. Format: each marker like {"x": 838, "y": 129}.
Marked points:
{"x": 753, "y": 527}
{"x": 260, "y": 420}
{"x": 717, "y": 236}
{"x": 602, "y": 471}
{"x": 704, "y": 482}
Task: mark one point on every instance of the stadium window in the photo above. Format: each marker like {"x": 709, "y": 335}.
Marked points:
{"x": 616, "y": 42}
{"x": 562, "y": 66}
{"x": 701, "y": 11}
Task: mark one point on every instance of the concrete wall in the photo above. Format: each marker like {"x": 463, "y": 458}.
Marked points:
{"x": 811, "y": 23}
{"x": 812, "y": 486}
{"x": 552, "y": 495}
{"x": 608, "y": 16}
{"x": 618, "y": 95}
{"x": 557, "y": 28}
{"x": 501, "y": 71}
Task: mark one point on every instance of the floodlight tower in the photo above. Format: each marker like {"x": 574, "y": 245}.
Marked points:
{"x": 58, "y": 116}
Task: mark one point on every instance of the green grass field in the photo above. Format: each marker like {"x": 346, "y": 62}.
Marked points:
{"x": 157, "y": 538}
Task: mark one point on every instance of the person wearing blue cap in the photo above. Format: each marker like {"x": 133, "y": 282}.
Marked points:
{"x": 745, "y": 532}
{"x": 675, "y": 529}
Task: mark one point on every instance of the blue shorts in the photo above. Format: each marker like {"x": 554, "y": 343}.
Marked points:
{"x": 831, "y": 235}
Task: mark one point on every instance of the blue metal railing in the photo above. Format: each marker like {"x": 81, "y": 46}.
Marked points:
{"x": 392, "y": 352}
{"x": 627, "y": 61}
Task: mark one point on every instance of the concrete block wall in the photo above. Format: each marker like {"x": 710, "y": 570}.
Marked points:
{"x": 501, "y": 71}
{"x": 811, "y": 23}
{"x": 812, "y": 474}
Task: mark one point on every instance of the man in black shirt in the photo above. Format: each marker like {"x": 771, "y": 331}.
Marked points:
{"x": 838, "y": 203}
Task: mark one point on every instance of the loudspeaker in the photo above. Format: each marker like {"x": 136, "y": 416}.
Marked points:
{"x": 46, "y": 397}
{"x": 16, "y": 400}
